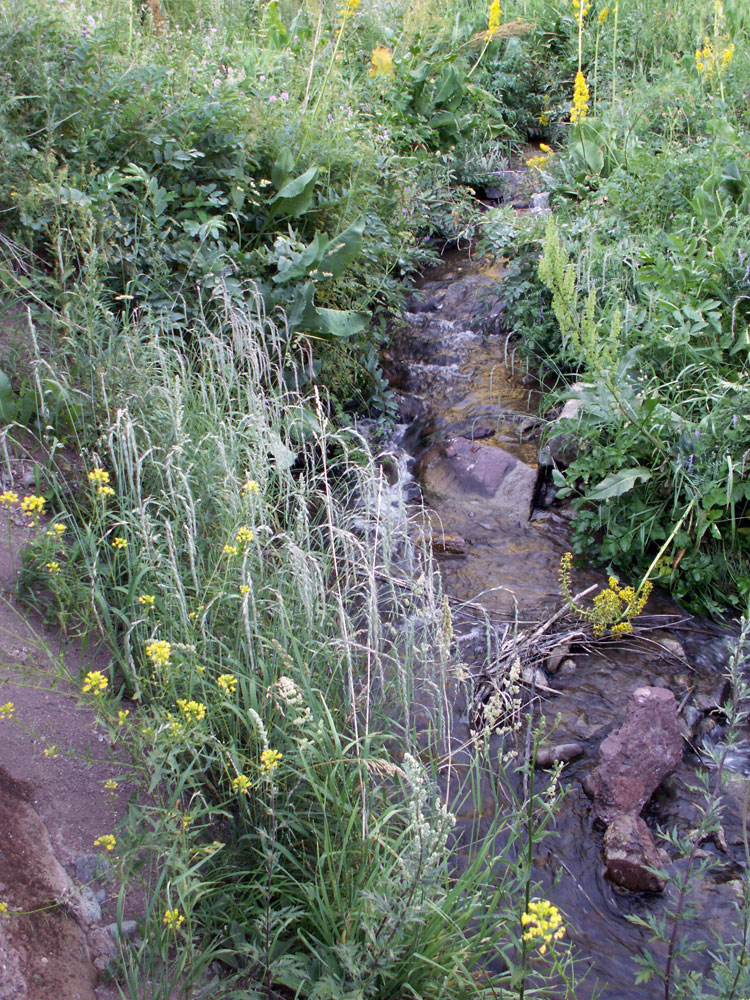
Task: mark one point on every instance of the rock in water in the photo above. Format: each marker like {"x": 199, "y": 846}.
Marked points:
{"x": 636, "y": 757}
{"x": 460, "y": 468}
{"x": 630, "y": 851}
{"x": 633, "y": 760}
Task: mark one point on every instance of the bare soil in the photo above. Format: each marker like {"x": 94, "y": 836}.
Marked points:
{"x": 53, "y": 806}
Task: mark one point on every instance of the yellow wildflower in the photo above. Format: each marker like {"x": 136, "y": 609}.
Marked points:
{"x": 251, "y": 487}
{"x": 7, "y": 710}
{"x": 147, "y": 601}
{"x": 99, "y": 476}
{"x": 580, "y": 106}
{"x": 493, "y": 22}
{"x": 33, "y": 506}
{"x": 95, "y": 682}
{"x": 542, "y": 924}
{"x": 244, "y": 535}
{"x": 105, "y": 491}
{"x": 119, "y": 543}
{"x": 580, "y": 10}
{"x": 122, "y": 716}
{"x": 107, "y": 841}
{"x": 244, "y": 589}
{"x": 173, "y": 919}
{"x": 230, "y": 550}
{"x": 57, "y": 530}
{"x": 269, "y": 761}
{"x": 3, "y": 909}
{"x": 546, "y": 149}
{"x": 241, "y": 784}
{"x": 110, "y": 784}
{"x": 227, "y": 683}
{"x": 52, "y": 567}
{"x": 51, "y": 751}
{"x": 193, "y": 711}
{"x": 603, "y": 15}
{"x": 8, "y": 497}
{"x": 159, "y": 652}
{"x": 381, "y": 63}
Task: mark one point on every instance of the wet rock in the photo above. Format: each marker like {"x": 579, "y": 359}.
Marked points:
{"x": 548, "y": 756}
{"x": 567, "y": 667}
{"x": 556, "y": 658}
{"x": 635, "y": 758}
{"x": 461, "y": 468}
{"x": 540, "y": 203}
{"x": 562, "y": 446}
{"x": 713, "y": 694}
{"x": 450, "y": 544}
{"x": 672, "y": 647}
{"x": 630, "y": 851}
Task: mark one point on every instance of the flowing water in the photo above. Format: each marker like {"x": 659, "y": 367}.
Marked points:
{"x": 456, "y": 377}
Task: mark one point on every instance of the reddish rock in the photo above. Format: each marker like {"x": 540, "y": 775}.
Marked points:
{"x": 634, "y": 759}
{"x": 630, "y": 851}
{"x": 452, "y": 544}
{"x": 461, "y": 468}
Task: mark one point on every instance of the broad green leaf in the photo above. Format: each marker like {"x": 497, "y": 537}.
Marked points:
{"x": 295, "y": 196}
{"x": 342, "y": 249}
{"x": 307, "y": 262}
{"x": 282, "y": 168}
{"x": 617, "y": 483}
{"x": 340, "y": 323}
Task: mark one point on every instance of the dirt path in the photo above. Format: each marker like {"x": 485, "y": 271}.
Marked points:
{"x": 53, "y": 804}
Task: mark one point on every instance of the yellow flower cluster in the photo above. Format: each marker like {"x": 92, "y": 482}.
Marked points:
{"x": 542, "y": 924}
{"x": 159, "y": 652}
{"x": 580, "y": 10}
{"x": 712, "y": 63}
{"x": 614, "y": 607}
{"x": 52, "y": 566}
{"x": 244, "y": 589}
{"x": 51, "y": 751}
{"x": 173, "y": 919}
{"x": 230, "y": 550}
{"x": 603, "y": 15}
{"x": 244, "y": 535}
{"x": 94, "y": 682}
{"x": 269, "y": 761}
{"x": 251, "y": 486}
{"x": 100, "y": 478}
{"x": 107, "y": 841}
{"x": 8, "y": 498}
{"x": 7, "y": 710}
{"x": 147, "y": 601}
{"x": 241, "y": 784}
{"x": 122, "y": 716}
{"x": 350, "y": 7}
{"x": 33, "y": 507}
{"x": 580, "y": 107}
{"x": 3, "y": 909}
{"x": 110, "y": 784}
{"x": 227, "y": 683}
{"x": 540, "y": 162}
{"x": 194, "y": 711}
{"x": 57, "y": 530}
{"x": 381, "y": 63}
{"x": 493, "y": 22}
{"x": 119, "y": 543}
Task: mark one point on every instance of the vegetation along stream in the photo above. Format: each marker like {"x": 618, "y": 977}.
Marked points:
{"x": 418, "y": 579}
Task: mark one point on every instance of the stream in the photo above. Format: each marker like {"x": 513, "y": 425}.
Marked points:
{"x": 470, "y": 419}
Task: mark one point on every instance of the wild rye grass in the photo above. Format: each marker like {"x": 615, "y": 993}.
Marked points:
{"x": 281, "y": 661}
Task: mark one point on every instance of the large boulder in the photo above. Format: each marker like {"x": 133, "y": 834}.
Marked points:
{"x": 633, "y": 761}
{"x": 635, "y": 758}
{"x": 461, "y": 468}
